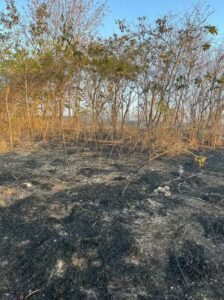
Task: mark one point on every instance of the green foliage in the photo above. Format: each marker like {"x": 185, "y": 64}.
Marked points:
{"x": 162, "y": 106}
{"x": 201, "y": 160}
{"x": 211, "y": 29}
{"x": 157, "y": 67}
{"x": 206, "y": 46}
{"x": 162, "y": 25}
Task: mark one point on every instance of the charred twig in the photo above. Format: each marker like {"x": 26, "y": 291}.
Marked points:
{"x": 31, "y": 294}
{"x": 178, "y": 264}
{"x": 189, "y": 177}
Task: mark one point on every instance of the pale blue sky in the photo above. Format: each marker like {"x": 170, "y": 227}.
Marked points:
{"x": 131, "y": 9}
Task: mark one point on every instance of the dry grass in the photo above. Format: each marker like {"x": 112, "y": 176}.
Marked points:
{"x": 3, "y": 146}
{"x": 163, "y": 137}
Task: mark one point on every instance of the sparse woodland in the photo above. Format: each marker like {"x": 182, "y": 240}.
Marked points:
{"x": 87, "y": 210}
{"x": 155, "y": 84}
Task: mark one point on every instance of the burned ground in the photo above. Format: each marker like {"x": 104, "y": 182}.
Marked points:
{"x": 83, "y": 224}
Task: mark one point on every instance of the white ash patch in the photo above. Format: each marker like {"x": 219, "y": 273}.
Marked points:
{"x": 59, "y": 270}
{"x": 132, "y": 260}
{"x": 23, "y": 243}
{"x": 60, "y": 230}
{"x": 89, "y": 294}
{"x": 79, "y": 262}
{"x": 164, "y": 190}
{"x": 154, "y": 204}
{"x": 97, "y": 263}
{"x": 27, "y": 185}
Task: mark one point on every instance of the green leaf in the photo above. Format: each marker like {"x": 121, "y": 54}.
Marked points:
{"x": 212, "y": 29}
{"x": 206, "y": 46}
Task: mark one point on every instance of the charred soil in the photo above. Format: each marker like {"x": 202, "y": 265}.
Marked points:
{"x": 84, "y": 224}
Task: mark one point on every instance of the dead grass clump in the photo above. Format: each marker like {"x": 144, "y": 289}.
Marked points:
{"x": 3, "y": 146}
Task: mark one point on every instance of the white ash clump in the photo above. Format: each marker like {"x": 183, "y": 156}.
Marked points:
{"x": 27, "y": 185}
{"x": 181, "y": 170}
{"x": 165, "y": 190}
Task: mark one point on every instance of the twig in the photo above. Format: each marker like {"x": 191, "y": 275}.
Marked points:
{"x": 178, "y": 264}
{"x": 31, "y": 294}
{"x": 16, "y": 178}
{"x": 111, "y": 152}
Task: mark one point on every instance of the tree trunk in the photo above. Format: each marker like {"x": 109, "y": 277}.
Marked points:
{"x": 8, "y": 116}
{"x": 28, "y": 112}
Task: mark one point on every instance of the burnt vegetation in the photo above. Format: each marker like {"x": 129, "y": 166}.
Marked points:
{"x": 101, "y": 232}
